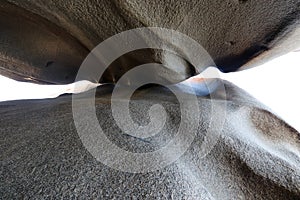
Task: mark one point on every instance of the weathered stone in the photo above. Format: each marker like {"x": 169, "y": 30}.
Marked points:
{"x": 256, "y": 157}
{"x": 233, "y": 32}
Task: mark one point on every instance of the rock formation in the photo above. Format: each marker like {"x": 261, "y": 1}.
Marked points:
{"x": 257, "y": 155}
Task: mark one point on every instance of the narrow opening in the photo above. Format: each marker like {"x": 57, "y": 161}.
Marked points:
{"x": 275, "y": 84}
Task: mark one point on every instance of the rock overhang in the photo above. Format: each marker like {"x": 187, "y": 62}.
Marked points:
{"x": 47, "y": 42}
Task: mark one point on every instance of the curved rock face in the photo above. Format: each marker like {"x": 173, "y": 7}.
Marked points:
{"x": 35, "y": 49}
{"x": 47, "y": 41}
{"x": 42, "y": 156}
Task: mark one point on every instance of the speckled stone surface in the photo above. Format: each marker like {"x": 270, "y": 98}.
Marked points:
{"x": 256, "y": 157}
{"x": 234, "y": 32}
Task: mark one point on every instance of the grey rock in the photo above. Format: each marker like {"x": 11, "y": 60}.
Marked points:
{"x": 42, "y": 156}
{"x": 55, "y": 36}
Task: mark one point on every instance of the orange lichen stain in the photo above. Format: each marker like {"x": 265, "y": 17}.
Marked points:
{"x": 196, "y": 80}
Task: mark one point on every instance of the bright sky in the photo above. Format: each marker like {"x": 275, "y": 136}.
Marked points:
{"x": 275, "y": 84}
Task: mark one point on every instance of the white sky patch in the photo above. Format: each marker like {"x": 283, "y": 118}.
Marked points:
{"x": 276, "y": 84}
{"x": 14, "y": 90}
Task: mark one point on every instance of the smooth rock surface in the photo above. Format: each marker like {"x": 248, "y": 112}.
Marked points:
{"x": 233, "y": 32}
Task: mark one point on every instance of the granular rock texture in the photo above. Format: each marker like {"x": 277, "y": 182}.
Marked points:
{"x": 42, "y": 156}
